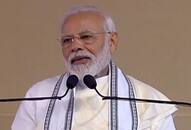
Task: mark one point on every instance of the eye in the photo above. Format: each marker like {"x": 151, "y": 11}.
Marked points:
{"x": 66, "y": 40}
{"x": 86, "y": 36}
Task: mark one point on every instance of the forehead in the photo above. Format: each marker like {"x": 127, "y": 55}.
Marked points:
{"x": 83, "y": 21}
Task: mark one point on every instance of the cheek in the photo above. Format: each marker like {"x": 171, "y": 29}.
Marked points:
{"x": 95, "y": 48}
{"x": 65, "y": 53}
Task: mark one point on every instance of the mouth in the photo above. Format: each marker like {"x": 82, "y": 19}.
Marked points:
{"x": 80, "y": 60}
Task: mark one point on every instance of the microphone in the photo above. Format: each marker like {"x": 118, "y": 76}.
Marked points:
{"x": 90, "y": 82}
{"x": 70, "y": 83}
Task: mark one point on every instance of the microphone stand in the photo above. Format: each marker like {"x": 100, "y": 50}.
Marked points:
{"x": 90, "y": 82}
{"x": 186, "y": 104}
{"x": 34, "y": 98}
{"x": 70, "y": 83}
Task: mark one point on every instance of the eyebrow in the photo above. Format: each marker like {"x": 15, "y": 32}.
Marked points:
{"x": 85, "y": 31}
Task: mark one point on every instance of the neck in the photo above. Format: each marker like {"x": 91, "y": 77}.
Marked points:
{"x": 103, "y": 72}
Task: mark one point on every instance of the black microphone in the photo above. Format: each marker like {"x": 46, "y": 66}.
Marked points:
{"x": 70, "y": 83}
{"x": 90, "y": 82}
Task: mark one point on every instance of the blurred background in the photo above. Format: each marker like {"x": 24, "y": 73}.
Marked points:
{"x": 154, "y": 46}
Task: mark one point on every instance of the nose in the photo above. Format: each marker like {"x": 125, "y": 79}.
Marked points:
{"x": 77, "y": 44}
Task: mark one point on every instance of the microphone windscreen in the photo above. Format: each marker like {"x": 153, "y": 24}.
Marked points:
{"x": 72, "y": 81}
{"x": 90, "y": 82}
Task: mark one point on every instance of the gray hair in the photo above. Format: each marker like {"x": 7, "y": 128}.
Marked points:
{"x": 108, "y": 26}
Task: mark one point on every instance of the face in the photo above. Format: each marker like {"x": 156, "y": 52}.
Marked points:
{"x": 85, "y": 48}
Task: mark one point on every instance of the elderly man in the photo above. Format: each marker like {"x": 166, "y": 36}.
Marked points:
{"x": 88, "y": 40}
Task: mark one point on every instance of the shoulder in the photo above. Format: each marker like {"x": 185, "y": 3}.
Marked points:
{"x": 44, "y": 87}
{"x": 152, "y": 111}
{"x": 143, "y": 90}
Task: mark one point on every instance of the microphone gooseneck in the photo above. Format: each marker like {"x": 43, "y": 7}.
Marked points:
{"x": 186, "y": 104}
{"x": 90, "y": 82}
{"x": 70, "y": 83}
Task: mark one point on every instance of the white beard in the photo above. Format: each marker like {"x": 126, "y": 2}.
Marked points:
{"x": 98, "y": 63}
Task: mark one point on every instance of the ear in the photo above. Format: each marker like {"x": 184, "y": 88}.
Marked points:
{"x": 113, "y": 42}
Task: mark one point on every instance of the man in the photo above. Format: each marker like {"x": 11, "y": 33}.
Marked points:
{"x": 88, "y": 40}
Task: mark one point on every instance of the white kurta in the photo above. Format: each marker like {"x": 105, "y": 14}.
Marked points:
{"x": 90, "y": 112}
